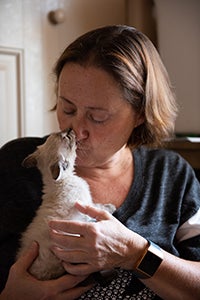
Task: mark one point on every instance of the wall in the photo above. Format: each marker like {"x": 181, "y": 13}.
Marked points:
{"x": 179, "y": 43}
{"x": 24, "y": 26}
{"x": 80, "y": 16}
{"x": 20, "y": 29}
{"x": 141, "y": 14}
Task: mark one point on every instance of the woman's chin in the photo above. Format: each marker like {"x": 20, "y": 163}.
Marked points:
{"x": 82, "y": 161}
{"x": 83, "y": 158}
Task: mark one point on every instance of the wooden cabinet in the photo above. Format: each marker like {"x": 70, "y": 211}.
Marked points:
{"x": 188, "y": 149}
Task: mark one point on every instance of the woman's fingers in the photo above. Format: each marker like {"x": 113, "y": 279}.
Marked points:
{"x": 26, "y": 260}
{"x": 78, "y": 287}
{"x": 71, "y": 234}
{"x": 77, "y": 227}
{"x": 74, "y": 293}
{"x": 69, "y": 256}
{"x": 87, "y": 247}
{"x": 67, "y": 228}
{"x": 67, "y": 281}
{"x": 94, "y": 212}
{"x": 78, "y": 269}
{"x": 21, "y": 285}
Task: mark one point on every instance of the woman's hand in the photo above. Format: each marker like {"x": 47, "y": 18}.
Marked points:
{"x": 107, "y": 243}
{"x": 87, "y": 247}
{"x": 21, "y": 285}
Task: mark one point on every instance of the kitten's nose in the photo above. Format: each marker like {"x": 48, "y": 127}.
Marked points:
{"x": 63, "y": 135}
{"x": 66, "y": 133}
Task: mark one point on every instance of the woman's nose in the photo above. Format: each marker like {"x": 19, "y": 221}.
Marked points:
{"x": 80, "y": 128}
{"x": 81, "y": 134}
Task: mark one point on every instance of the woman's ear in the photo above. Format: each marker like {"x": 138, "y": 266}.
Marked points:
{"x": 140, "y": 120}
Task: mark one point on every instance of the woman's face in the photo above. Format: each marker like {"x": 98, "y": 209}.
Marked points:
{"x": 91, "y": 103}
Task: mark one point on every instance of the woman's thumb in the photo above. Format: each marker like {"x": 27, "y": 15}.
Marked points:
{"x": 28, "y": 257}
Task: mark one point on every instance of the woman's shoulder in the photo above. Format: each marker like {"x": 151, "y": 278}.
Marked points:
{"x": 22, "y": 143}
{"x": 16, "y": 150}
{"x": 160, "y": 156}
{"x": 20, "y": 188}
{"x": 164, "y": 163}
{"x": 20, "y": 196}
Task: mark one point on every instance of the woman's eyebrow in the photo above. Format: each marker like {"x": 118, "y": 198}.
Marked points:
{"x": 66, "y": 100}
{"x": 88, "y": 107}
{"x": 96, "y": 108}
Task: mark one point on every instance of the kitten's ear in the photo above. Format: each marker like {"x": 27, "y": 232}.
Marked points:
{"x": 58, "y": 169}
{"x": 30, "y": 161}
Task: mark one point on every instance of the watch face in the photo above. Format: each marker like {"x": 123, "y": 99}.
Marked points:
{"x": 149, "y": 264}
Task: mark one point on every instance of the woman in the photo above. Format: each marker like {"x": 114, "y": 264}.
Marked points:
{"x": 113, "y": 90}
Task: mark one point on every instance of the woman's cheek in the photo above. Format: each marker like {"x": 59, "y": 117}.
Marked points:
{"x": 62, "y": 120}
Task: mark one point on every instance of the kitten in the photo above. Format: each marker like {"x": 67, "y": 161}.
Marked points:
{"x": 61, "y": 189}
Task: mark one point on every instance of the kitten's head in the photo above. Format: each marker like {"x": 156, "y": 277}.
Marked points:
{"x": 56, "y": 157}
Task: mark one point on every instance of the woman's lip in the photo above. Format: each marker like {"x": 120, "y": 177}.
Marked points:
{"x": 82, "y": 150}
{"x": 80, "y": 147}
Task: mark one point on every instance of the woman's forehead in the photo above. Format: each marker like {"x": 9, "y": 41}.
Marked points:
{"x": 91, "y": 84}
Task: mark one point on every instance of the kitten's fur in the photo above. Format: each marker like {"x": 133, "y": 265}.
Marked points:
{"x": 62, "y": 188}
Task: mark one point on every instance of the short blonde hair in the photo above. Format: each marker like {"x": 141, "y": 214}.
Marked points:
{"x": 131, "y": 58}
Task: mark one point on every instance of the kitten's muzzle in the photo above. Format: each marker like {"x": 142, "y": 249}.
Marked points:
{"x": 68, "y": 136}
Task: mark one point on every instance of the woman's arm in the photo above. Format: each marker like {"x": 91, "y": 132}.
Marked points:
{"x": 21, "y": 285}
{"x": 108, "y": 244}
{"x": 176, "y": 279}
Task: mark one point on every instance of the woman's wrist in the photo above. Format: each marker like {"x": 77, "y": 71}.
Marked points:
{"x": 136, "y": 247}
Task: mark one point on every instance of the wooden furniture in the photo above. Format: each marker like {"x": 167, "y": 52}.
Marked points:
{"x": 188, "y": 149}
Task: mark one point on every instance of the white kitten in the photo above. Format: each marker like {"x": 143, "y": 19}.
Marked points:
{"x": 62, "y": 188}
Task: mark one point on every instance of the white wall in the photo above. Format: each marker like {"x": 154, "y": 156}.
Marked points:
{"x": 179, "y": 44}
{"x": 80, "y": 16}
{"x": 24, "y": 25}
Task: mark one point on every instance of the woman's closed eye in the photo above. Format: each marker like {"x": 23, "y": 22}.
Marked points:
{"x": 69, "y": 111}
{"x": 96, "y": 118}
{"x": 68, "y": 108}
{"x": 99, "y": 117}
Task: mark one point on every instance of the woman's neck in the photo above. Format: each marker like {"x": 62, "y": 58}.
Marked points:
{"x": 110, "y": 182}
{"x": 114, "y": 167}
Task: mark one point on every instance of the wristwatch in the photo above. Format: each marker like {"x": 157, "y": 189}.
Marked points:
{"x": 149, "y": 262}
